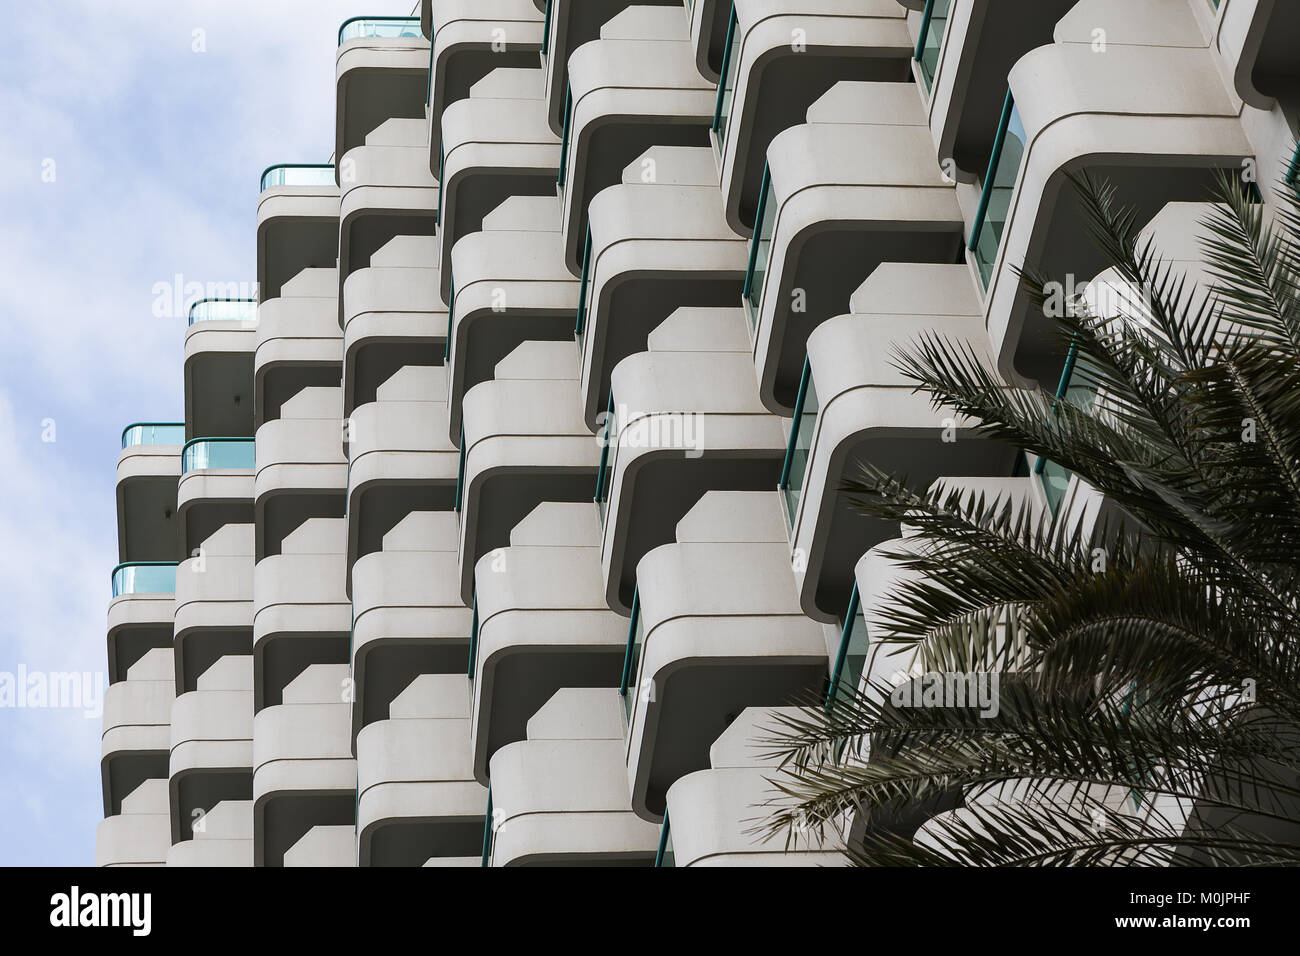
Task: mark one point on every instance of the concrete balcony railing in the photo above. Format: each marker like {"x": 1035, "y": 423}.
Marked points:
{"x": 303, "y": 772}
{"x": 137, "y": 623}
{"x": 417, "y": 798}
{"x": 137, "y": 717}
{"x": 768, "y": 82}
{"x": 393, "y": 316}
{"x": 635, "y": 87}
{"x": 684, "y": 419}
{"x": 718, "y": 628}
{"x": 524, "y": 442}
{"x": 560, "y": 796}
{"x": 542, "y": 624}
{"x": 214, "y": 604}
{"x": 381, "y": 73}
{"x": 137, "y": 835}
{"x": 511, "y": 286}
{"x": 653, "y": 248}
{"x": 298, "y": 341}
{"x": 297, "y": 226}
{"x": 222, "y": 837}
{"x": 407, "y": 615}
{"x": 148, "y": 470}
{"x": 851, "y": 189}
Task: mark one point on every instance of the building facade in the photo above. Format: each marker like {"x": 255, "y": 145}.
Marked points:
{"x": 508, "y": 516}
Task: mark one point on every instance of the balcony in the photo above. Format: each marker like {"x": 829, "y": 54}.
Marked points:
{"x": 768, "y": 82}
{"x": 393, "y": 316}
{"x": 1258, "y": 40}
{"x": 709, "y": 22}
{"x": 137, "y": 715}
{"x": 717, "y": 628}
{"x": 219, "y": 344}
{"x": 407, "y": 616}
{"x": 138, "y": 835}
{"x": 298, "y": 341}
{"x": 214, "y": 604}
{"x": 855, "y": 406}
{"x": 651, "y": 250}
{"x": 140, "y": 615}
{"x": 560, "y": 796}
{"x": 400, "y": 458}
{"x": 225, "y": 839}
{"x": 542, "y": 624}
{"x": 216, "y": 487}
{"x": 511, "y": 286}
{"x": 495, "y": 144}
{"x": 417, "y": 798}
{"x": 381, "y": 73}
{"x": 471, "y": 38}
{"x": 711, "y": 812}
{"x": 147, "y": 472}
{"x": 523, "y": 443}
{"x": 301, "y": 612}
{"x": 634, "y": 88}
{"x": 211, "y": 745}
{"x": 297, "y": 224}
{"x": 1157, "y": 149}
{"x": 686, "y": 420}
{"x": 852, "y": 189}
{"x": 304, "y": 776}
{"x": 387, "y": 191}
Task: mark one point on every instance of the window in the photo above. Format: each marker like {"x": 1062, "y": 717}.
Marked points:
{"x": 999, "y": 186}
{"x": 930, "y": 41}
{"x": 760, "y": 249}
{"x": 801, "y": 436}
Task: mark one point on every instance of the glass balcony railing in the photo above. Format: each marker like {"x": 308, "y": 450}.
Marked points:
{"x": 801, "y": 436}
{"x": 224, "y": 310}
{"x": 609, "y": 435}
{"x": 564, "y": 138}
{"x": 632, "y": 658}
{"x": 380, "y": 28}
{"x": 546, "y": 28}
{"x": 1080, "y": 392}
{"x": 489, "y": 832}
{"x": 852, "y": 654}
{"x": 930, "y": 41}
{"x": 584, "y": 289}
{"x": 153, "y": 433}
{"x": 727, "y": 86}
{"x": 298, "y": 174}
{"x": 460, "y": 471}
{"x": 664, "y": 855}
{"x": 760, "y": 250}
{"x": 144, "y": 577}
{"x": 999, "y": 186}
{"x": 473, "y": 641}
{"x": 233, "y": 453}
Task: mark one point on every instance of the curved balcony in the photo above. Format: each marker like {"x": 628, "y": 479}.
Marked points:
{"x": 523, "y": 443}
{"x": 634, "y": 88}
{"x": 560, "y": 797}
{"x": 139, "y": 620}
{"x": 653, "y": 248}
{"x": 151, "y": 578}
{"x": 400, "y": 459}
{"x": 381, "y": 73}
{"x": 768, "y": 82}
{"x": 857, "y": 407}
{"x": 711, "y": 812}
{"x": 709, "y": 22}
{"x": 471, "y": 38}
{"x": 297, "y": 224}
{"x": 387, "y": 192}
{"x": 417, "y": 798}
{"x": 224, "y": 838}
{"x": 393, "y": 316}
{"x": 717, "y": 628}
{"x": 839, "y": 199}
{"x": 139, "y": 834}
{"x": 211, "y": 745}
{"x": 219, "y": 344}
{"x": 302, "y": 471}
{"x": 1258, "y": 40}
{"x": 137, "y": 715}
{"x": 301, "y": 612}
{"x": 1155, "y": 149}
{"x": 511, "y": 287}
{"x": 966, "y": 50}
{"x": 147, "y": 472}
{"x": 216, "y": 487}
{"x": 407, "y": 616}
{"x": 686, "y": 420}
{"x": 542, "y": 624}
{"x": 493, "y": 147}
{"x": 304, "y": 776}
{"x": 298, "y": 341}
{"x": 214, "y": 603}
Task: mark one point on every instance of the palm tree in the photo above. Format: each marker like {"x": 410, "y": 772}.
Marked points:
{"x": 1150, "y": 664}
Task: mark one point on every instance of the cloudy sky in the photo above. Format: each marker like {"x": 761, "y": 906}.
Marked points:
{"x": 133, "y": 139}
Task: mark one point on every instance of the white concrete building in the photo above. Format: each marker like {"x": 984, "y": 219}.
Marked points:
{"x": 507, "y": 517}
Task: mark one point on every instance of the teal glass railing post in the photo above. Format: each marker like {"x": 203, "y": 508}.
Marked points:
{"x": 153, "y": 433}
{"x": 546, "y": 29}
{"x": 487, "y": 831}
{"x": 664, "y": 854}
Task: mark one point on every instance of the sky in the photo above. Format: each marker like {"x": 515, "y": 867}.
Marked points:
{"x": 132, "y": 140}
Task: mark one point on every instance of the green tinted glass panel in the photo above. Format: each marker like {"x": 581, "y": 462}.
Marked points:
{"x": 144, "y": 578}
{"x": 998, "y": 189}
{"x": 218, "y": 453}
